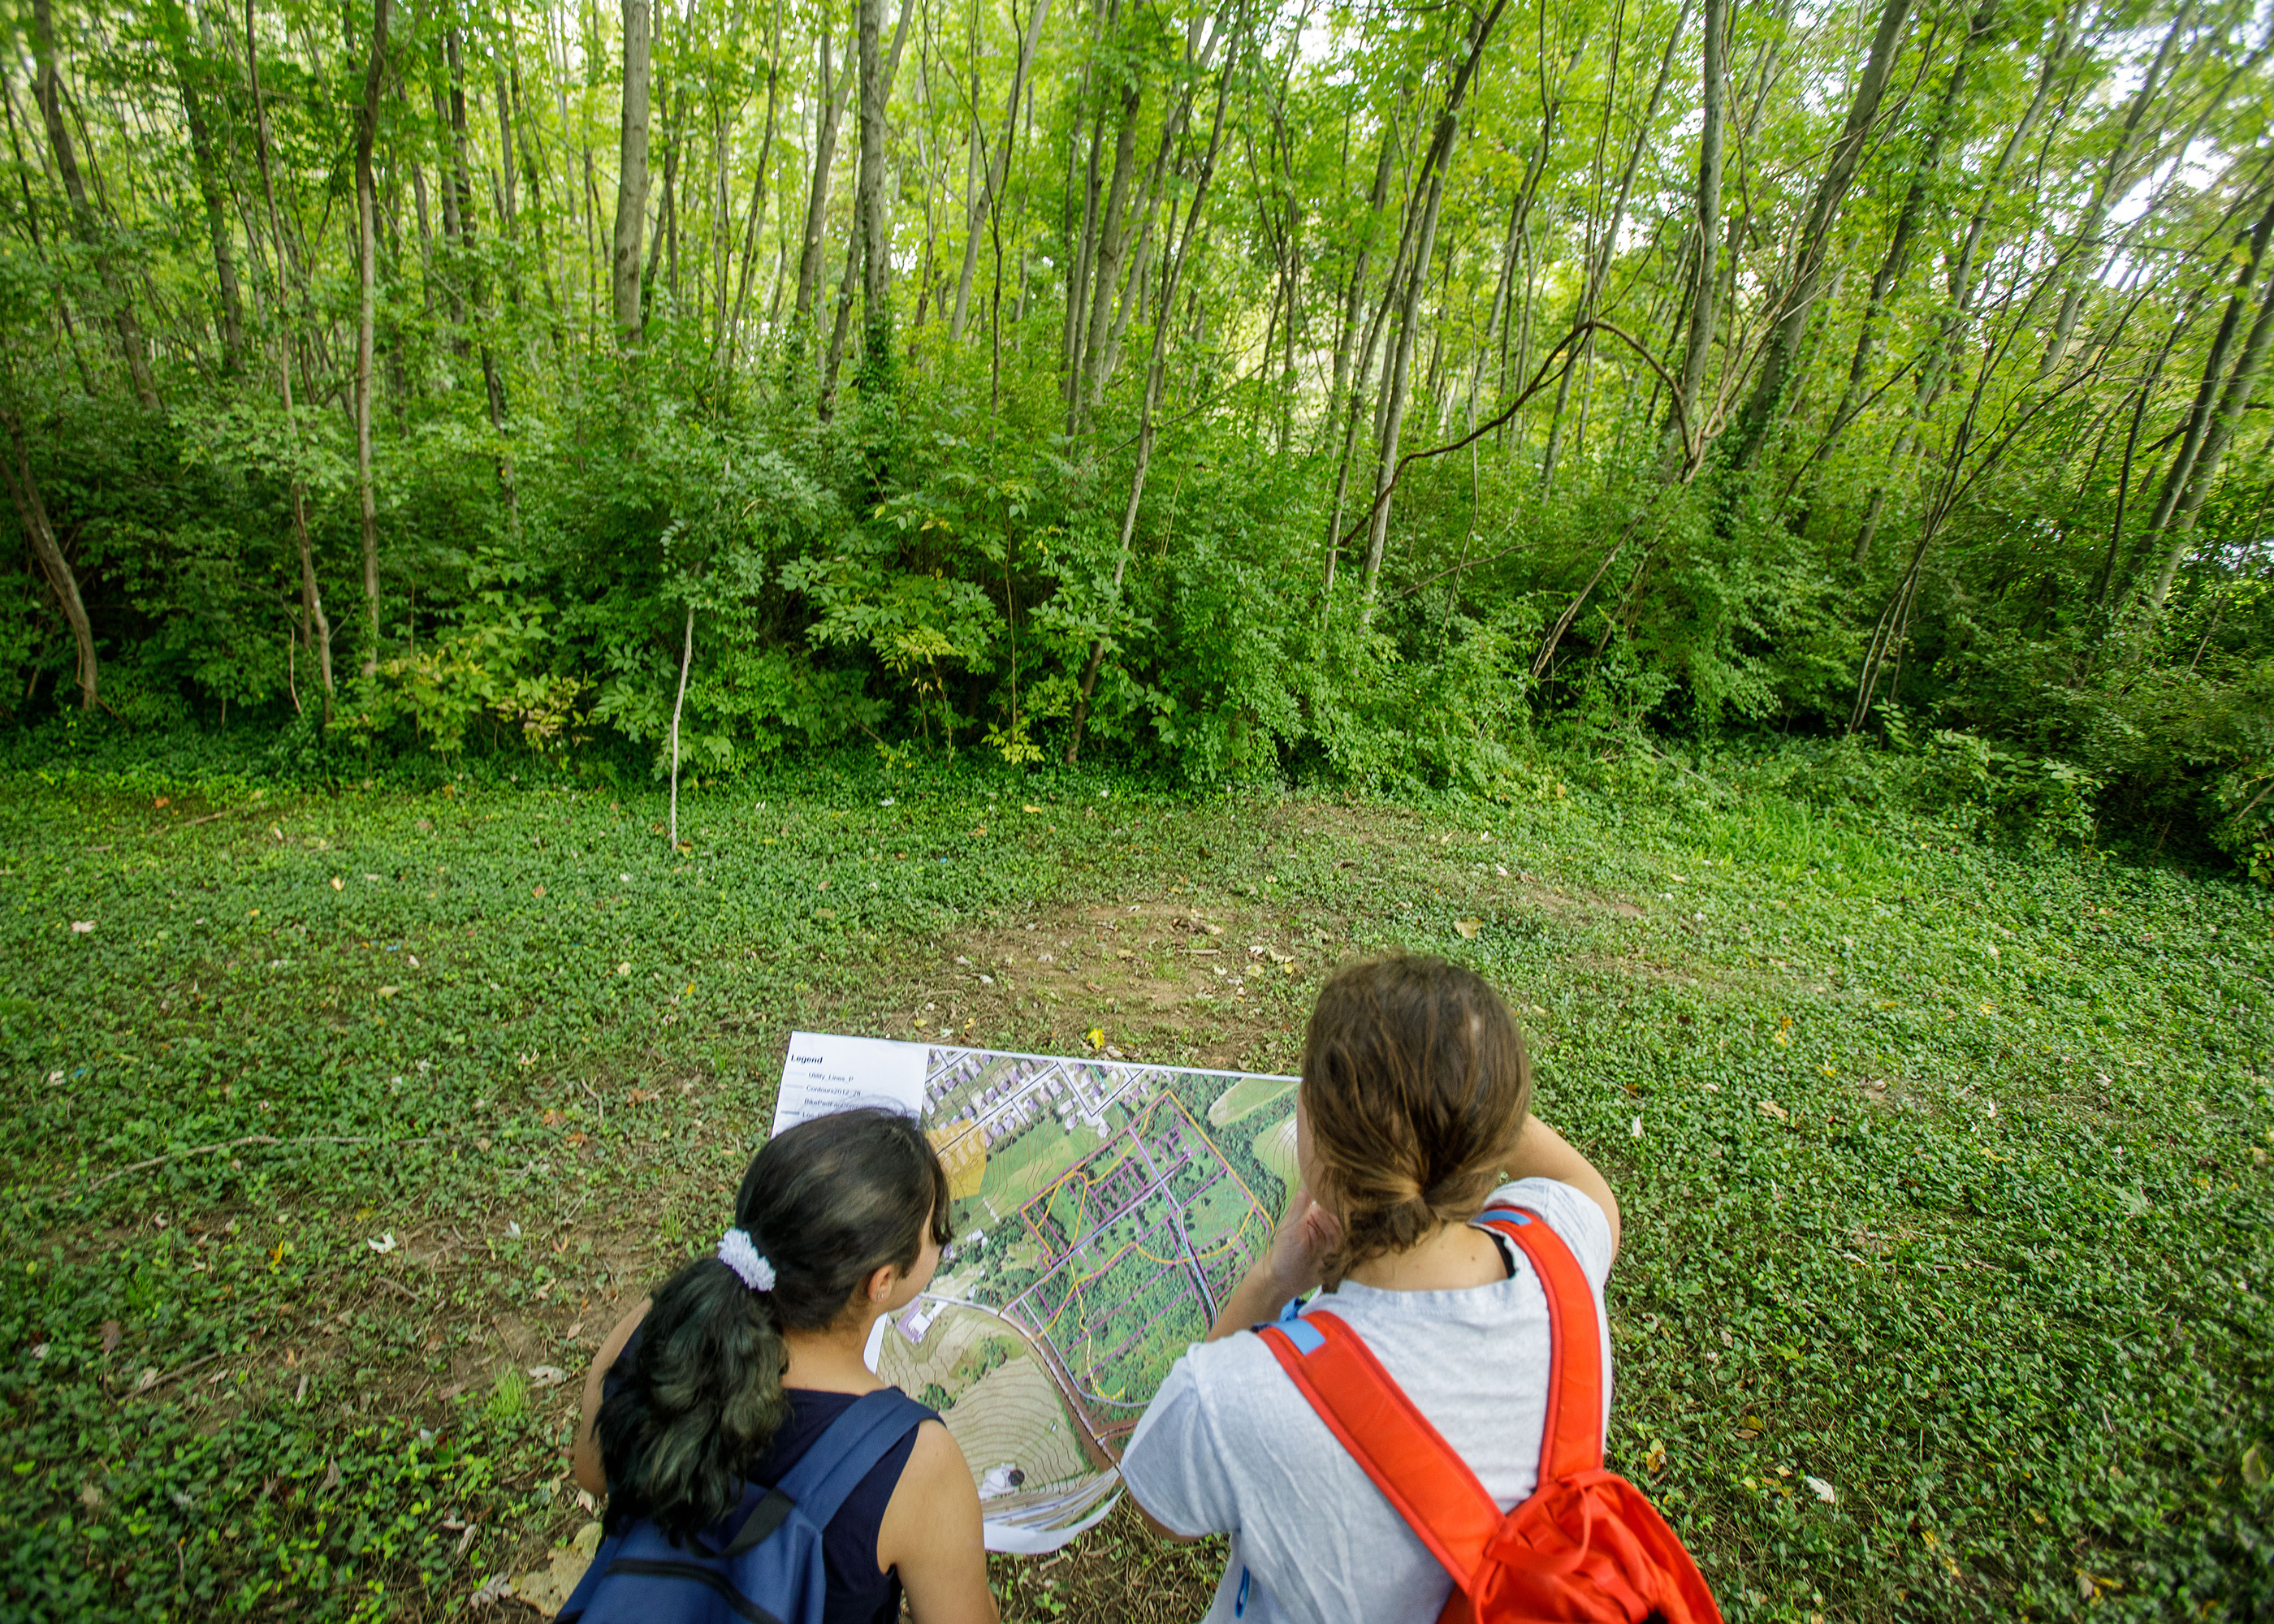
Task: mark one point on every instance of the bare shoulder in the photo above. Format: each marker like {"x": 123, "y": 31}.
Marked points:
{"x": 935, "y": 1489}
{"x": 937, "y": 1459}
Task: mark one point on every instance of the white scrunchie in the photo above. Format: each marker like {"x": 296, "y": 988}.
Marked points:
{"x": 738, "y": 1253}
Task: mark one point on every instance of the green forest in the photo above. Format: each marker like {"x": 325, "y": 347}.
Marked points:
{"x": 1324, "y": 392}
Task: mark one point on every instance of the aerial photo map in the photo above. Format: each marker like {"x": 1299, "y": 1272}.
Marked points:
{"x": 1103, "y": 1210}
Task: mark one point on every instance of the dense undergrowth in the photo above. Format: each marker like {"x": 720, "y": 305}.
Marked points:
{"x": 341, "y": 1110}
{"x": 930, "y": 574}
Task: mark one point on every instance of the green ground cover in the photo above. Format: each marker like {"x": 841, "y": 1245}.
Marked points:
{"x": 344, "y": 1121}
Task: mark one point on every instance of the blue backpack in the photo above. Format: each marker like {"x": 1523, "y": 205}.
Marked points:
{"x": 759, "y": 1564}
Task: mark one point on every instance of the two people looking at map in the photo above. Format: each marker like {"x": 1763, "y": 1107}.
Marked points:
{"x": 737, "y": 1388}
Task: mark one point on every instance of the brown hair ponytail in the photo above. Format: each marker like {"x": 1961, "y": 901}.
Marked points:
{"x": 1415, "y": 1085}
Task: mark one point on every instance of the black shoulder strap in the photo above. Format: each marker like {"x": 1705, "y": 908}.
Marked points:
{"x": 765, "y": 1517}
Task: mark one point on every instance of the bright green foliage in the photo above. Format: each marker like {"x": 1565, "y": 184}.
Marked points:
{"x": 2015, "y": 485}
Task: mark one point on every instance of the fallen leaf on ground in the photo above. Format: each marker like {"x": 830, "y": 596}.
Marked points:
{"x": 1468, "y": 928}
{"x": 111, "y": 1332}
{"x": 382, "y": 1243}
{"x": 1822, "y": 1490}
{"x": 493, "y": 1591}
{"x": 1770, "y": 1108}
{"x": 81, "y": 927}
{"x": 1654, "y": 1461}
{"x": 546, "y": 1588}
{"x": 547, "y": 1375}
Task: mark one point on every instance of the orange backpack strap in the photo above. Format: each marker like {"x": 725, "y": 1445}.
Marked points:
{"x": 1409, "y": 1460}
{"x": 1572, "y": 1439}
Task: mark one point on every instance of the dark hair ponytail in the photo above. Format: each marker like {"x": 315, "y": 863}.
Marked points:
{"x": 1416, "y": 1083}
{"x": 828, "y": 1203}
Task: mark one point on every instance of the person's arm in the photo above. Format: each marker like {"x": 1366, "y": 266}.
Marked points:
{"x": 932, "y": 1535}
{"x": 584, "y": 1457}
{"x": 1161, "y": 1530}
{"x": 1543, "y": 1152}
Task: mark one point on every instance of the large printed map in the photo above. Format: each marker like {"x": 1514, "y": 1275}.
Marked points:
{"x": 1104, "y": 1209}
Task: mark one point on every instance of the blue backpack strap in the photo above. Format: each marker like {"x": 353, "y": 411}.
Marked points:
{"x": 850, "y": 1449}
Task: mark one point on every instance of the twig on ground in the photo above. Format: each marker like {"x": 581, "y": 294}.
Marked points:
{"x": 207, "y": 818}
{"x": 170, "y": 1375}
{"x": 251, "y": 1139}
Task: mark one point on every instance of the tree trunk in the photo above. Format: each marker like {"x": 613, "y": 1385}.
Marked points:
{"x": 1698, "y": 348}
{"x": 1434, "y": 162}
{"x": 1896, "y": 259}
{"x": 829, "y": 110}
{"x": 451, "y": 263}
{"x": 1073, "y": 330}
{"x": 758, "y": 183}
{"x": 874, "y": 226}
{"x": 1599, "y": 263}
{"x": 1395, "y": 387}
{"x": 48, "y": 90}
{"x": 1932, "y": 370}
{"x": 493, "y": 379}
{"x": 1174, "y": 258}
{"x": 2107, "y": 186}
{"x": 665, "y": 241}
{"x": 32, "y": 512}
{"x": 1112, "y": 245}
{"x": 997, "y": 162}
{"x": 1798, "y": 304}
{"x": 532, "y": 175}
{"x": 1198, "y": 55}
{"x": 631, "y": 176}
{"x": 2233, "y": 401}
{"x": 367, "y": 256}
{"x": 189, "y": 76}
{"x": 840, "y": 327}
{"x": 1354, "y": 299}
{"x": 2250, "y": 251}
{"x": 316, "y": 627}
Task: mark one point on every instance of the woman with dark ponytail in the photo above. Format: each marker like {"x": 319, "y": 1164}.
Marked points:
{"x": 712, "y": 1408}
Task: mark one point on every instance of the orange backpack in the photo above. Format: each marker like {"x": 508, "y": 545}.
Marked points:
{"x": 1587, "y": 1548}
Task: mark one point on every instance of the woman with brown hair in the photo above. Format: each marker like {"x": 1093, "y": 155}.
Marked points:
{"x": 1412, "y": 1118}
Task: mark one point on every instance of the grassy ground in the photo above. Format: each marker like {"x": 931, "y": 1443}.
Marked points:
{"x": 344, "y": 1122}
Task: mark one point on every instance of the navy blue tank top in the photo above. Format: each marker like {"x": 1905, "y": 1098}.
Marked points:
{"x": 858, "y": 1592}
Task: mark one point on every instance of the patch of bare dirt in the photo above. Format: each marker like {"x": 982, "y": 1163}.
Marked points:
{"x": 1162, "y": 978}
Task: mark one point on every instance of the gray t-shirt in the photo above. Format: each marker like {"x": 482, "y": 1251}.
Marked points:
{"x": 1230, "y": 1446}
